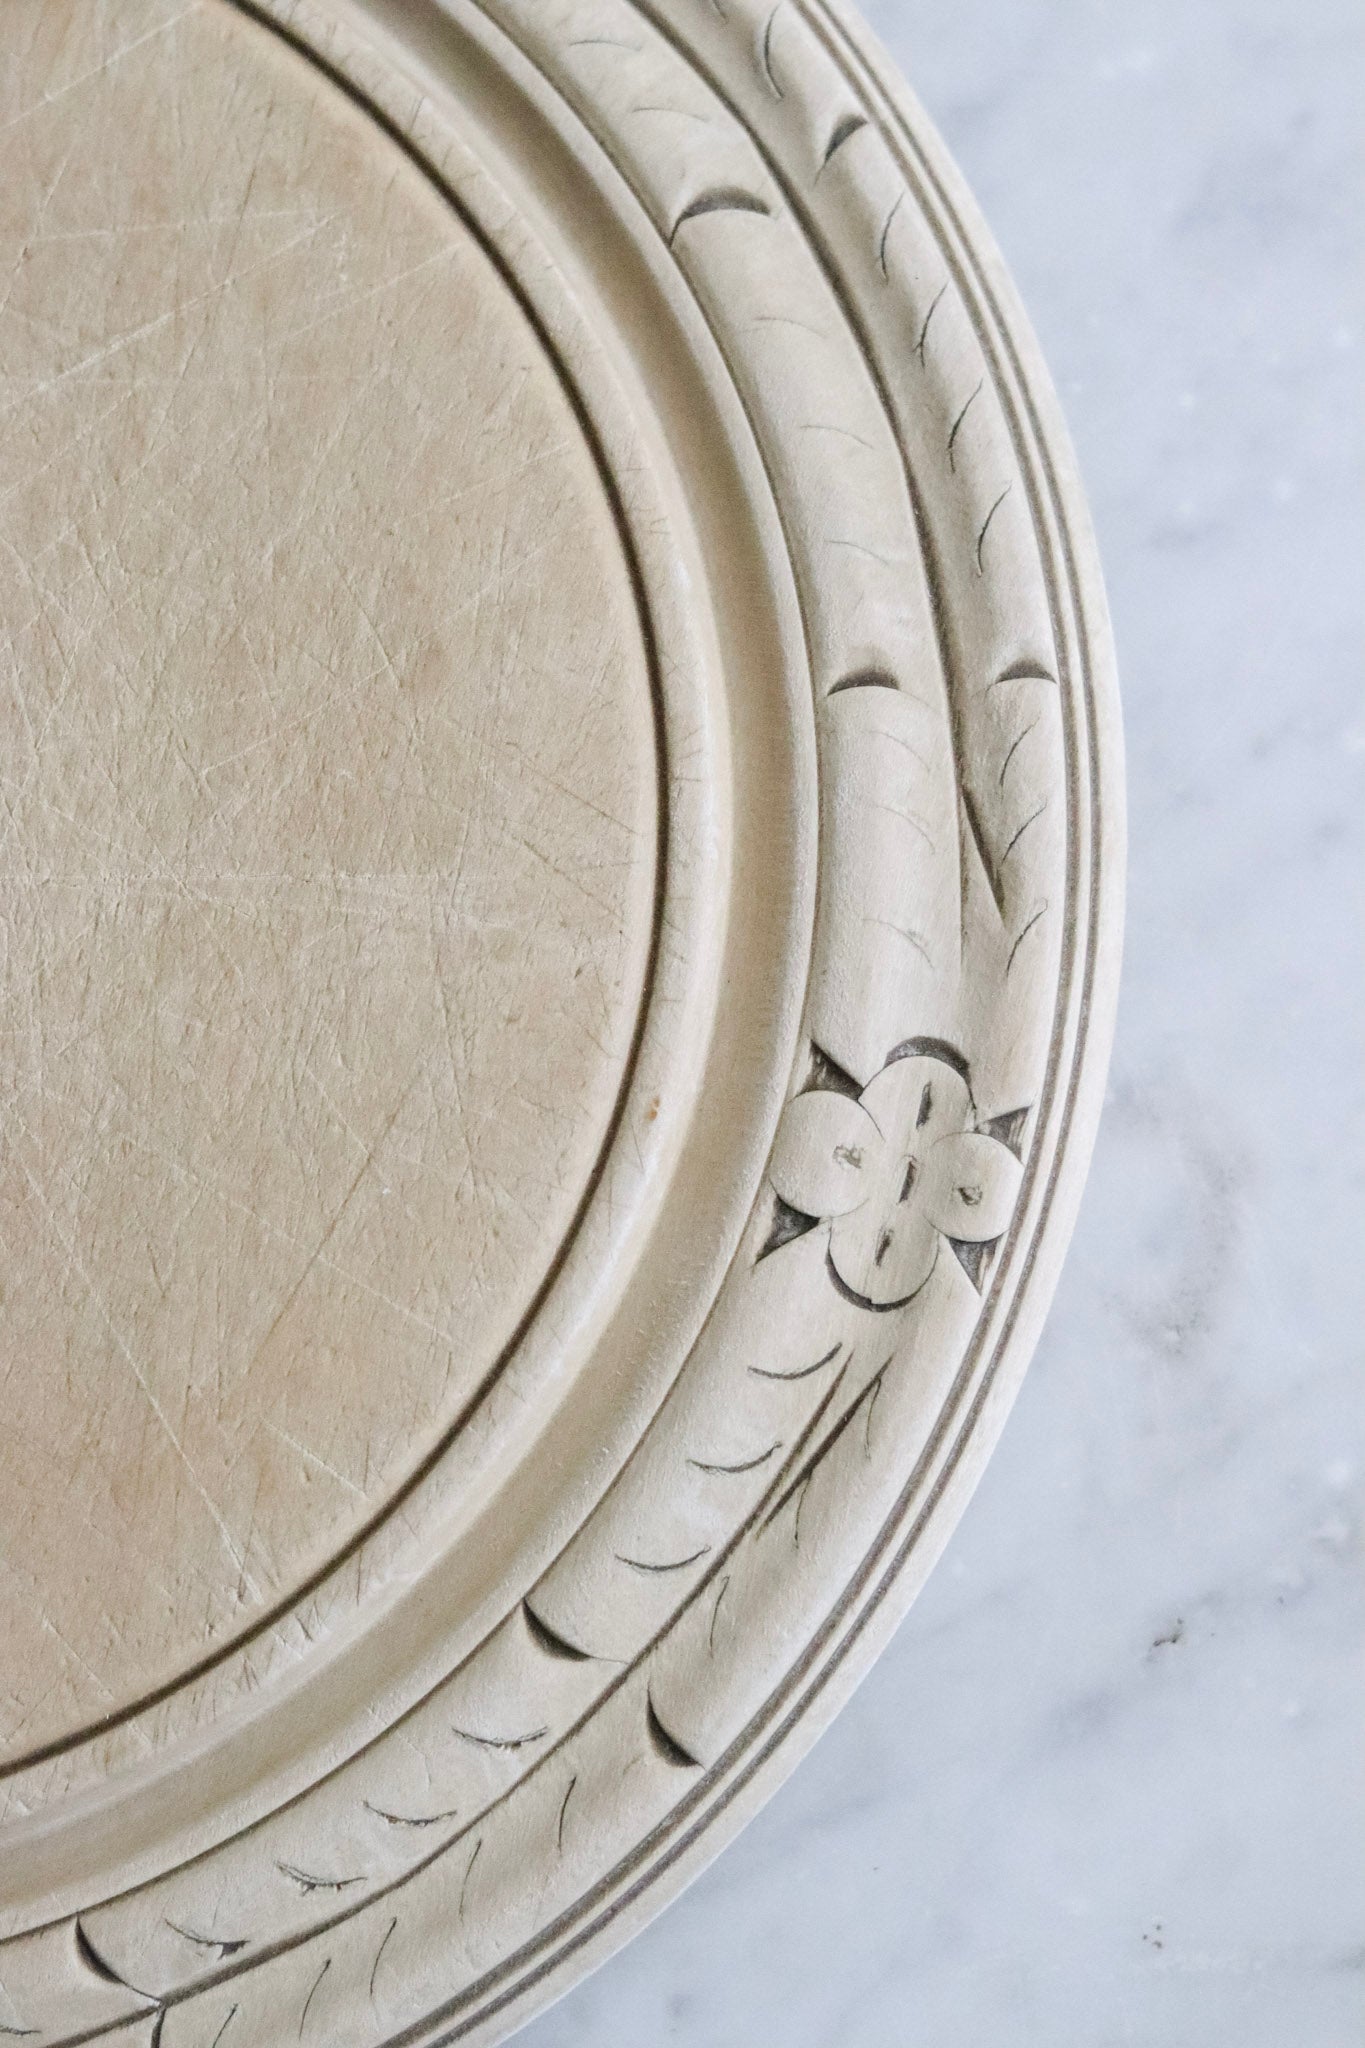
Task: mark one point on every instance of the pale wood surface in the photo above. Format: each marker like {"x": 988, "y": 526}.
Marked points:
{"x": 328, "y": 816}
{"x": 560, "y": 864}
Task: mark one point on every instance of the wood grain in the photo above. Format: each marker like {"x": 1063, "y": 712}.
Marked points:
{"x": 561, "y": 862}
{"x": 328, "y": 821}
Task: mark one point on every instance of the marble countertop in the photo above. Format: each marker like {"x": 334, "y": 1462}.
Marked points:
{"x": 1106, "y": 1785}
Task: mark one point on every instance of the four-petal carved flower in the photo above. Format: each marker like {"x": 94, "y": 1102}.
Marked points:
{"x": 895, "y": 1172}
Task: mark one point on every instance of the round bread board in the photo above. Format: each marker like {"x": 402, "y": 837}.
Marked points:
{"x": 561, "y": 894}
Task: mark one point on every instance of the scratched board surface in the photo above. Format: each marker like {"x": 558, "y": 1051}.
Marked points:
{"x": 325, "y": 805}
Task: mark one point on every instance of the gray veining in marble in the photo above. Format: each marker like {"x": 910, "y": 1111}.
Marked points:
{"x": 1106, "y": 1786}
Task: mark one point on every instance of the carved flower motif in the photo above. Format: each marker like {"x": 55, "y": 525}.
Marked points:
{"x": 895, "y": 1172}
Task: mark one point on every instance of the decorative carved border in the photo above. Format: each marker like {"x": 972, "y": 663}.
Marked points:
{"x": 780, "y": 1507}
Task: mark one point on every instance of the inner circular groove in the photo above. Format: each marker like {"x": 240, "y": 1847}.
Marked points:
{"x": 765, "y": 928}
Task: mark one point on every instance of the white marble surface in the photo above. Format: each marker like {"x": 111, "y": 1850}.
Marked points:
{"x": 1106, "y": 1786}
